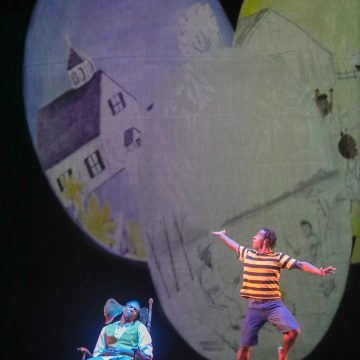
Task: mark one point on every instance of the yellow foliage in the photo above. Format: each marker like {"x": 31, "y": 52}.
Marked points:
{"x": 97, "y": 221}
{"x": 73, "y": 189}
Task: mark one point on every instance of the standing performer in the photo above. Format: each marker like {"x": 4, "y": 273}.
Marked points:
{"x": 260, "y": 286}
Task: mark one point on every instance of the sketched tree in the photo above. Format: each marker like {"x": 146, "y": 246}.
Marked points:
{"x": 191, "y": 93}
{"x": 198, "y": 30}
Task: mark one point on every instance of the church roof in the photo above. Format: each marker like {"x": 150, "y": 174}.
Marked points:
{"x": 74, "y": 59}
{"x": 69, "y": 122}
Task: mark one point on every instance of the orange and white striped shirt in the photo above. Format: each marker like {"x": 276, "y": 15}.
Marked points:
{"x": 262, "y": 273}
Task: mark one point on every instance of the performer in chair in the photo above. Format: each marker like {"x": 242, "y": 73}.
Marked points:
{"x": 125, "y": 339}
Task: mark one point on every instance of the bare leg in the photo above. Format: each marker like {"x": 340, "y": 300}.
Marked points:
{"x": 243, "y": 353}
{"x": 288, "y": 341}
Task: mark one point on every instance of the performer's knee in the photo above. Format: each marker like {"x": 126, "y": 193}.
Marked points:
{"x": 244, "y": 349}
{"x": 293, "y": 334}
{"x": 243, "y": 353}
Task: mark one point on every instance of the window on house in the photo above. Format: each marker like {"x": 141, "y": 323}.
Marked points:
{"x": 117, "y": 103}
{"x": 94, "y": 164}
{"x": 62, "y": 178}
{"x": 82, "y": 73}
{"x": 74, "y": 77}
{"x": 132, "y": 136}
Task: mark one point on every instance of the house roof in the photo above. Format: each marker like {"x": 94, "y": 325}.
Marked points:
{"x": 69, "y": 122}
{"x": 247, "y": 25}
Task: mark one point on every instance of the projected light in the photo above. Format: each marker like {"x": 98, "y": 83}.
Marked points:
{"x": 93, "y": 75}
{"x": 156, "y": 124}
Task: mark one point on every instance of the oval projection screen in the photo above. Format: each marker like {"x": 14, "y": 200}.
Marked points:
{"x": 156, "y": 123}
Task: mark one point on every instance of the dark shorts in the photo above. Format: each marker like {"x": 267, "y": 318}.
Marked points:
{"x": 261, "y": 311}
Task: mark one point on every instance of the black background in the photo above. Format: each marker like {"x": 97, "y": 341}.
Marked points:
{"x": 54, "y": 280}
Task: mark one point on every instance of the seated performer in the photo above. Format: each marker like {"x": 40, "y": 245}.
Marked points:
{"x": 260, "y": 286}
{"x": 122, "y": 339}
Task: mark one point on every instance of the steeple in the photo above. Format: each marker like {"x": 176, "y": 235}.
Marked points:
{"x": 80, "y": 70}
{"x": 74, "y": 59}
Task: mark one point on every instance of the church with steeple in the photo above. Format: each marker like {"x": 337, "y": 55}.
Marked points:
{"x": 91, "y": 131}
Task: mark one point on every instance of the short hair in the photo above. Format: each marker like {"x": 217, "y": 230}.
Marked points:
{"x": 305, "y": 222}
{"x": 270, "y": 236}
{"x": 322, "y": 97}
{"x": 134, "y": 302}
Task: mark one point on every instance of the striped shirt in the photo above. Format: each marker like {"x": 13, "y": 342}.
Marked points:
{"x": 262, "y": 273}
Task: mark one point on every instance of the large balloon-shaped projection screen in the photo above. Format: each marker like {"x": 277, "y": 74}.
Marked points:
{"x": 155, "y": 123}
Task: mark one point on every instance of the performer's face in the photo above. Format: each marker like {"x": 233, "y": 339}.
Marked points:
{"x": 131, "y": 311}
{"x": 258, "y": 240}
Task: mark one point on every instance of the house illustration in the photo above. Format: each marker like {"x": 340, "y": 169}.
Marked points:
{"x": 271, "y": 33}
{"x": 90, "y": 131}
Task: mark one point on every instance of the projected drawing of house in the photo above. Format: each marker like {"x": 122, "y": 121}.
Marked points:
{"x": 271, "y": 33}
{"x": 90, "y": 130}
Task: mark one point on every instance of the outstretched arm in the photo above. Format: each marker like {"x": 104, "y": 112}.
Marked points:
{"x": 233, "y": 245}
{"x": 307, "y": 267}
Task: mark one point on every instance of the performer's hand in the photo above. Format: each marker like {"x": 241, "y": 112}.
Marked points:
{"x": 327, "y": 271}
{"x": 219, "y": 233}
{"x": 140, "y": 355}
{"x": 85, "y": 350}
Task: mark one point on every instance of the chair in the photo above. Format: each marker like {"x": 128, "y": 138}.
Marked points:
{"x": 112, "y": 309}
